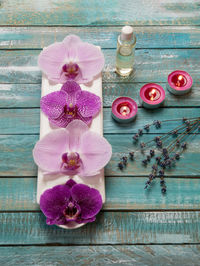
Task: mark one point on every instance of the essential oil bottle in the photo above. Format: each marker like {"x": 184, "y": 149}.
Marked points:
{"x": 125, "y": 51}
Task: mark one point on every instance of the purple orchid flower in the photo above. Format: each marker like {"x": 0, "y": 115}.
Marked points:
{"x": 70, "y": 203}
{"x": 71, "y": 59}
{"x": 71, "y": 151}
{"x": 70, "y": 103}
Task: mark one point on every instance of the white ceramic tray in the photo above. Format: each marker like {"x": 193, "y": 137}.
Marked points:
{"x": 46, "y": 181}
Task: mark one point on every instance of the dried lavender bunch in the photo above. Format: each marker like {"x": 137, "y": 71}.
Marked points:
{"x": 163, "y": 151}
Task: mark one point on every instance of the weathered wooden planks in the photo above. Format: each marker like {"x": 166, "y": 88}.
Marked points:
{"x": 109, "y": 228}
{"x": 26, "y": 121}
{"x": 16, "y": 151}
{"x": 124, "y": 189}
{"x": 20, "y": 95}
{"x": 56, "y": 12}
{"x": 137, "y": 255}
{"x": 106, "y": 37}
{"x": 152, "y": 65}
{"x": 28, "y": 95}
{"x": 16, "y": 157}
{"x": 122, "y": 193}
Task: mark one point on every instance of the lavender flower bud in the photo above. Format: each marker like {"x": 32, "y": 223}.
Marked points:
{"x": 140, "y": 132}
{"x": 131, "y": 155}
{"x": 142, "y": 145}
{"x": 147, "y": 127}
{"x": 152, "y": 152}
{"x": 148, "y": 158}
{"x": 158, "y": 159}
{"x": 177, "y": 156}
{"x": 184, "y": 145}
{"x": 145, "y": 162}
{"x": 120, "y": 165}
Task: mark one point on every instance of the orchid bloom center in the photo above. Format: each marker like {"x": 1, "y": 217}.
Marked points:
{"x": 71, "y": 212}
{"x": 71, "y": 161}
{"x": 71, "y": 70}
{"x": 70, "y": 111}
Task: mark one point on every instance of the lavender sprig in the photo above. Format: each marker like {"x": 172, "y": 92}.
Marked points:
{"x": 170, "y": 146}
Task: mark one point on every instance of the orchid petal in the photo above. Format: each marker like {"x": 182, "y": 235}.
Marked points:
{"x": 76, "y": 128}
{"x": 91, "y": 60}
{"x": 90, "y": 220}
{"x": 51, "y": 59}
{"x": 89, "y": 200}
{"x": 61, "y": 121}
{"x": 86, "y": 120}
{"x": 53, "y": 103}
{"x": 48, "y": 151}
{"x": 71, "y": 43}
{"x": 88, "y": 103}
{"x": 71, "y": 88}
{"x": 95, "y": 153}
{"x": 53, "y": 200}
{"x": 70, "y": 183}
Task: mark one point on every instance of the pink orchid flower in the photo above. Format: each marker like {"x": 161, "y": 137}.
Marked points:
{"x": 70, "y": 103}
{"x": 73, "y": 150}
{"x": 71, "y": 59}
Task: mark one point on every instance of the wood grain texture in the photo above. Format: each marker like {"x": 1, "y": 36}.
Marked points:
{"x": 17, "y": 160}
{"x": 21, "y": 148}
{"x": 151, "y": 65}
{"x": 26, "y": 121}
{"x": 28, "y": 95}
{"x": 167, "y": 39}
{"x": 20, "y": 95}
{"x": 76, "y": 12}
{"x": 102, "y": 255}
{"x": 122, "y": 193}
{"x": 106, "y": 37}
{"x": 109, "y": 228}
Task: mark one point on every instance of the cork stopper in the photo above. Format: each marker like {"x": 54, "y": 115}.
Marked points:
{"x": 127, "y": 33}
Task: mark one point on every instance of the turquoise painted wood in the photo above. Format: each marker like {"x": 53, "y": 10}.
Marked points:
{"x": 147, "y": 37}
{"x": 17, "y": 160}
{"x": 102, "y": 255}
{"x": 76, "y": 12}
{"x": 152, "y": 65}
{"x": 132, "y": 221}
{"x": 24, "y": 228}
{"x": 28, "y": 95}
{"x": 122, "y": 193}
{"x": 26, "y": 121}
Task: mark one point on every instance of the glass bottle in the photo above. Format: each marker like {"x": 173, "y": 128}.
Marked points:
{"x": 125, "y": 51}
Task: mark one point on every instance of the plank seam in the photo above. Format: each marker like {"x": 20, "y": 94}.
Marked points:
{"x": 96, "y": 245}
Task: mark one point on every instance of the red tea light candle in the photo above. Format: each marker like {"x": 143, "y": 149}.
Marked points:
{"x": 124, "y": 109}
{"x": 152, "y": 95}
{"x": 179, "y": 82}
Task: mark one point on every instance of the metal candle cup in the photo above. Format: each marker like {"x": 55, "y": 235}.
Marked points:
{"x": 179, "y": 82}
{"x": 124, "y": 109}
{"x": 152, "y": 95}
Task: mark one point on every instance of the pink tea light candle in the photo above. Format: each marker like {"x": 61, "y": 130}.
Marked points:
{"x": 124, "y": 109}
{"x": 152, "y": 95}
{"x": 179, "y": 82}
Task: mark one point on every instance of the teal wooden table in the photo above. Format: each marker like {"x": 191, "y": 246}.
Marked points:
{"x": 134, "y": 227}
